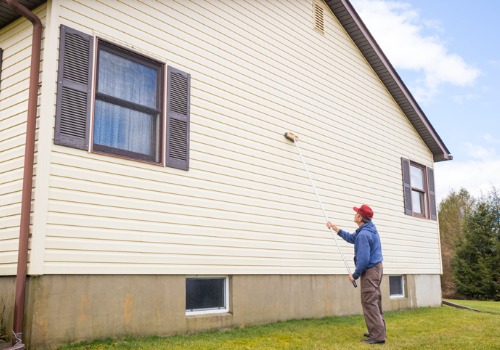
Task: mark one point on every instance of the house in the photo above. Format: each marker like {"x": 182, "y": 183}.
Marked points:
{"x": 165, "y": 198}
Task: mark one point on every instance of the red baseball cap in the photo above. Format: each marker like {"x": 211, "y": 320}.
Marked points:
{"x": 365, "y": 211}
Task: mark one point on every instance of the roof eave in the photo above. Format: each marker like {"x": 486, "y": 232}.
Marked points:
{"x": 8, "y": 15}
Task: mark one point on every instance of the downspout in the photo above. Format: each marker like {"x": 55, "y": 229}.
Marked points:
{"x": 29, "y": 157}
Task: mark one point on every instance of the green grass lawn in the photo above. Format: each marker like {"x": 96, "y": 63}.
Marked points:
{"x": 483, "y": 306}
{"x": 425, "y": 328}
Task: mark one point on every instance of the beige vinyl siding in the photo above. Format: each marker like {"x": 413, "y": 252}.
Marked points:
{"x": 15, "y": 40}
{"x": 245, "y": 206}
{"x": 12, "y": 126}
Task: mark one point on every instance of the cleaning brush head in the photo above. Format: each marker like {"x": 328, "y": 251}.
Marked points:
{"x": 291, "y": 136}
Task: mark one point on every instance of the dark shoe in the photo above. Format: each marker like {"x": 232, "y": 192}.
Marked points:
{"x": 373, "y": 341}
{"x": 367, "y": 335}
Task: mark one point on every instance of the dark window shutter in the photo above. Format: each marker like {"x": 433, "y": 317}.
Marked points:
{"x": 432, "y": 193}
{"x": 73, "y": 89}
{"x": 178, "y": 114}
{"x": 405, "y": 165}
{"x": 1, "y": 60}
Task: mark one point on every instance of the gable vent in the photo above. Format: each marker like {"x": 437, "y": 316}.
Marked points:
{"x": 318, "y": 17}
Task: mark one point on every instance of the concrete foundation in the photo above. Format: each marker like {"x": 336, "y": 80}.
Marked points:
{"x": 68, "y": 308}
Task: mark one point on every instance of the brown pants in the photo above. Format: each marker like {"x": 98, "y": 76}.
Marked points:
{"x": 371, "y": 301}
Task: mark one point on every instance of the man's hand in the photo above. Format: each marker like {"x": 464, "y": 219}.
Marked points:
{"x": 351, "y": 278}
{"x": 332, "y": 226}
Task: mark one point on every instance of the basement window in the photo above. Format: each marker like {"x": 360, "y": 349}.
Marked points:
{"x": 397, "y": 286}
{"x": 206, "y": 295}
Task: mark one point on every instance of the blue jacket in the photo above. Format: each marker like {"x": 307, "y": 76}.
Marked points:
{"x": 367, "y": 247}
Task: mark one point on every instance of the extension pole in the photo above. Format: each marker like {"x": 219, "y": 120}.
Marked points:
{"x": 295, "y": 139}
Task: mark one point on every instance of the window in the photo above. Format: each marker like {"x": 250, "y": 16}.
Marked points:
{"x": 418, "y": 190}
{"x": 127, "y": 111}
{"x": 127, "y": 94}
{"x": 207, "y": 295}
{"x": 396, "y": 286}
{"x": 418, "y": 186}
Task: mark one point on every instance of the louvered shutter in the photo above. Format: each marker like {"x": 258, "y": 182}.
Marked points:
{"x": 74, "y": 89}
{"x": 432, "y": 193}
{"x": 1, "y": 60}
{"x": 405, "y": 165}
{"x": 178, "y": 114}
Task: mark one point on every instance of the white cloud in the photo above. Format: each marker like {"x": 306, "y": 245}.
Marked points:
{"x": 399, "y": 30}
{"x": 491, "y": 139}
{"x": 494, "y": 63}
{"x": 476, "y": 176}
{"x": 460, "y": 99}
{"x": 480, "y": 152}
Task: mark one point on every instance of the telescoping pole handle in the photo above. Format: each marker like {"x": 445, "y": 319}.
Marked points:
{"x": 324, "y": 212}
{"x": 345, "y": 262}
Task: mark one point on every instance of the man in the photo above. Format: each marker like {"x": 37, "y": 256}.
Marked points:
{"x": 368, "y": 260}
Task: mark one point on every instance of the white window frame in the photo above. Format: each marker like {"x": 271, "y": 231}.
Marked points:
{"x": 398, "y": 296}
{"x": 225, "y": 309}
{"x": 424, "y": 191}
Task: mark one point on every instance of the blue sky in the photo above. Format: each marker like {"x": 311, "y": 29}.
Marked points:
{"x": 447, "y": 54}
